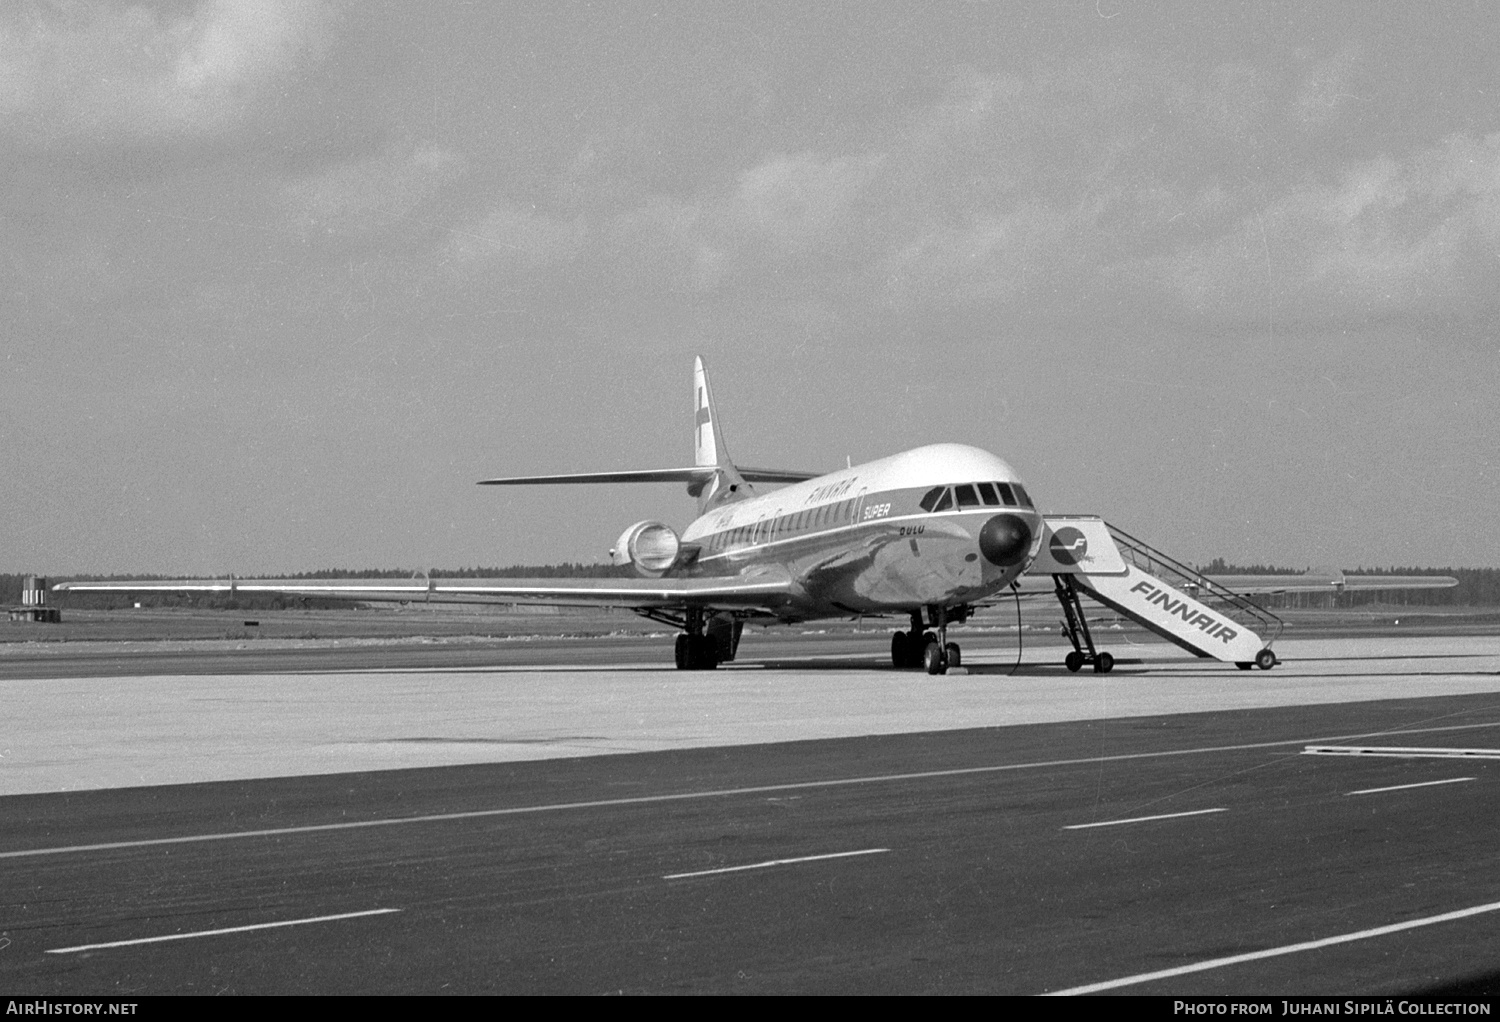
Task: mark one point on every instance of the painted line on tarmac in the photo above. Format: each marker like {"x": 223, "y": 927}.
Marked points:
{"x": 761, "y": 789}
{"x": 215, "y": 933}
{"x": 1275, "y": 952}
{"x": 1404, "y": 787}
{"x": 1144, "y": 819}
{"x": 774, "y": 862}
{"x": 1400, "y": 752}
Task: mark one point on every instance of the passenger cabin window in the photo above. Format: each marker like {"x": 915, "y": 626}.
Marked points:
{"x": 966, "y": 496}
{"x": 987, "y": 494}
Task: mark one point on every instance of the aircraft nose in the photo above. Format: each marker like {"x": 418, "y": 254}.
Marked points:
{"x": 1004, "y": 540}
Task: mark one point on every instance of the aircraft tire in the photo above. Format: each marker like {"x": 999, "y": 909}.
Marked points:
{"x": 1104, "y": 664}
{"x": 706, "y": 656}
{"x": 1074, "y": 661}
{"x": 682, "y": 651}
{"x": 900, "y": 655}
{"x": 933, "y": 659}
{"x": 1265, "y": 660}
{"x": 955, "y": 655}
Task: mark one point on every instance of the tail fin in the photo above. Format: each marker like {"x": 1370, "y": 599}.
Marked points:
{"x": 709, "y": 450}
{"x": 712, "y": 478}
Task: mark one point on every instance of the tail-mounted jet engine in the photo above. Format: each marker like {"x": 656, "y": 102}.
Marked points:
{"x": 651, "y": 546}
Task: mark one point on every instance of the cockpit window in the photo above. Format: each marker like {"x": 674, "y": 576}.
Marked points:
{"x": 1021, "y": 495}
{"x": 1007, "y": 495}
{"x": 930, "y": 498}
{"x": 987, "y": 494}
{"x": 966, "y": 496}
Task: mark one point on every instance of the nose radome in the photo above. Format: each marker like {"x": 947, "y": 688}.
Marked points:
{"x": 1005, "y": 540}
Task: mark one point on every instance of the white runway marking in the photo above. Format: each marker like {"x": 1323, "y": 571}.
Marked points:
{"x": 774, "y": 862}
{"x": 838, "y": 782}
{"x": 1400, "y": 752}
{"x": 1403, "y": 787}
{"x": 1253, "y": 956}
{"x": 215, "y": 933}
{"x": 1143, "y": 819}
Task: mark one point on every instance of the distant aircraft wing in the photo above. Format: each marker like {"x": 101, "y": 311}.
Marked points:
{"x": 691, "y": 474}
{"x": 1328, "y": 582}
{"x": 767, "y": 591}
{"x": 1322, "y": 581}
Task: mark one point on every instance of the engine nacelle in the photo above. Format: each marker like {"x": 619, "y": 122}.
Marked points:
{"x": 651, "y": 546}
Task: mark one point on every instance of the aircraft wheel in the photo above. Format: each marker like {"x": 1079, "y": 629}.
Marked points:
{"x": 706, "y": 656}
{"x": 1265, "y": 660}
{"x": 955, "y": 655}
{"x": 682, "y": 651}
{"x": 932, "y": 658}
{"x": 899, "y": 655}
{"x": 1104, "y": 664}
{"x": 1073, "y": 661}
{"x": 1244, "y": 665}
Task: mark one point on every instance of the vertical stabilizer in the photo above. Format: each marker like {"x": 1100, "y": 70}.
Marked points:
{"x": 709, "y": 449}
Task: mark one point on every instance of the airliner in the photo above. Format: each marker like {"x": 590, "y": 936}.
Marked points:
{"x": 929, "y": 534}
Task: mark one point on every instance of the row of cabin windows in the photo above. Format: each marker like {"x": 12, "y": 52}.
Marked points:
{"x": 767, "y": 529}
{"x": 944, "y": 498}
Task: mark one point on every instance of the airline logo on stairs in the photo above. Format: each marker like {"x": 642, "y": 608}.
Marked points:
{"x": 1174, "y": 615}
{"x": 1077, "y": 545}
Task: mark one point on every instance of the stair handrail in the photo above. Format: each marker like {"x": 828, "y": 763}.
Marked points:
{"x": 1197, "y": 580}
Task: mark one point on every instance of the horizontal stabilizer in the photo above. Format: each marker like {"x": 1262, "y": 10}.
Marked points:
{"x": 691, "y": 474}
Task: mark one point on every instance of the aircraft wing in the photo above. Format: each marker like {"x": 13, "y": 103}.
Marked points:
{"x": 769, "y": 590}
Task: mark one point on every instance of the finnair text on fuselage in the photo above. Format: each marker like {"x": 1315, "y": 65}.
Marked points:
{"x": 831, "y": 491}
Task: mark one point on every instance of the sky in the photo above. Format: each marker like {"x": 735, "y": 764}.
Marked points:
{"x": 280, "y": 280}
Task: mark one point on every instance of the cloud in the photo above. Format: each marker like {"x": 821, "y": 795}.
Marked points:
{"x": 1385, "y": 236}
{"x": 87, "y": 74}
{"x": 796, "y": 202}
{"x": 388, "y": 185}
{"x": 510, "y": 235}
{"x": 1327, "y": 86}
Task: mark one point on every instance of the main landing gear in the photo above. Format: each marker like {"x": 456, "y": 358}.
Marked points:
{"x": 697, "y": 649}
{"x": 1078, "y": 631}
{"x": 708, "y": 638}
{"x": 923, "y": 648}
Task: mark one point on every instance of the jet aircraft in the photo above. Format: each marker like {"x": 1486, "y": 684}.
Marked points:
{"x": 929, "y": 534}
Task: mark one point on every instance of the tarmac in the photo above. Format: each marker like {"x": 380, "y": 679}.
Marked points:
{"x": 72, "y": 734}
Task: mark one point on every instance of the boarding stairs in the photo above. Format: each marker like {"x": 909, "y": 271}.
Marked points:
{"x": 1086, "y": 556}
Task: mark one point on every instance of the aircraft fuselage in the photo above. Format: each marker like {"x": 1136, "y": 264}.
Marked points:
{"x": 945, "y": 524}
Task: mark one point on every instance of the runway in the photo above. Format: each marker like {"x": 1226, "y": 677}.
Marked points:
{"x": 807, "y": 825}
